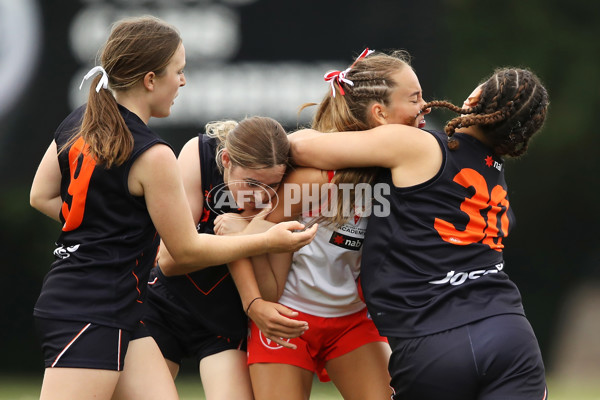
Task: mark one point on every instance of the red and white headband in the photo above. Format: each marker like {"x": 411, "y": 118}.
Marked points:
{"x": 340, "y": 76}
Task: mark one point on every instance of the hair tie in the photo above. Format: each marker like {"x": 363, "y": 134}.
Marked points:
{"x": 103, "y": 81}
{"x": 250, "y": 305}
{"x": 340, "y": 76}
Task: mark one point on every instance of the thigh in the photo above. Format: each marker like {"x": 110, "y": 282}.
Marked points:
{"x": 78, "y": 383}
{"x": 272, "y": 381}
{"x": 167, "y": 322}
{"x": 145, "y": 375}
{"x": 204, "y": 343}
{"x": 262, "y": 350}
{"x": 362, "y": 373}
{"x": 74, "y": 344}
{"x": 508, "y": 358}
{"x": 225, "y": 376}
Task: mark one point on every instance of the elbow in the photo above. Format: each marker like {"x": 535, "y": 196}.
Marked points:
{"x": 172, "y": 262}
{"x": 34, "y": 200}
{"x": 38, "y": 203}
{"x": 298, "y": 152}
{"x": 180, "y": 263}
{"x": 167, "y": 268}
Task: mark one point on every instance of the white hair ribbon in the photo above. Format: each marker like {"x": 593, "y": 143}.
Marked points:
{"x": 340, "y": 76}
{"x": 103, "y": 81}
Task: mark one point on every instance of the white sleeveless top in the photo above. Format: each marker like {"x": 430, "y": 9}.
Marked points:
{"x": 322, "y": 278}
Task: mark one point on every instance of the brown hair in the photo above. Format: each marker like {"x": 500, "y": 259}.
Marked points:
{"x": 512, "y": 107}
{"x": 372, "y": 79}
{"x": 135, "y": 47}
{"x": 252, "y": 143}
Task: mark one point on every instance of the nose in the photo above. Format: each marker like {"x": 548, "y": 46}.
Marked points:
{"x": 426, "y": 110}
{"x": 262, "y": 197}
{"x": 182, "y": 80}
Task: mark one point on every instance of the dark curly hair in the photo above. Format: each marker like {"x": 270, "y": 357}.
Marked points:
{"x": 511, "y": 109}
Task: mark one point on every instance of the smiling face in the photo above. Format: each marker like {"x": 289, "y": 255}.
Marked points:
{"x": 168, "y": 83}
{"x": 406, "y": 101}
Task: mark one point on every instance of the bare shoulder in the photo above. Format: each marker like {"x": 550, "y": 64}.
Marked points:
{"x": 421, "y": 162}
{"x": 191, "y": 146}
{"x": 156, "y": 157}
{"x": 156, "y": 164}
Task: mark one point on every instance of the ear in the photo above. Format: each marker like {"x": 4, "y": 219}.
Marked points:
{"x": 149, "y": 80}
{"x": 225, "y": 159}
{"x": 473, "y": 98}
{"x": 378, "y": 113}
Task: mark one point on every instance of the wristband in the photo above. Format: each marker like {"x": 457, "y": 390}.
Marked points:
{"x": 250, "y": 305}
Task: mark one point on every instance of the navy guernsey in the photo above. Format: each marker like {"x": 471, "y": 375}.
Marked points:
{"x": 435, "y": 262}
{"x": 210, "y": 294}
{"x": 108, "y": 242}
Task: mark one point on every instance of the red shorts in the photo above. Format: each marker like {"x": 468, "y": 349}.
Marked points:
{"x": 326, "y": 338}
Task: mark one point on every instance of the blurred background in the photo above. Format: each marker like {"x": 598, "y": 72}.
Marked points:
{"x": 268, "y": 57}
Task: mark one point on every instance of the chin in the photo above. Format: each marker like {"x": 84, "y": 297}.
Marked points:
{"x": 161, "y": 115}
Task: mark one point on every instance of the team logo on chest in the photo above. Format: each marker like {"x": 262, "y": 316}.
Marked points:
{"x": 341, "y": 236}
{"x": 345, "y": 241}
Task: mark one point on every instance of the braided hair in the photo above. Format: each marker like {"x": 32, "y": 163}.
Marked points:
{"x": 512, "y": 107}
{"x": 372, "y": 79}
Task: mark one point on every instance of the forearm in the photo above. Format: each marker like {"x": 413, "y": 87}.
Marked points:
{"x": 265, "y": 278}
{"x": 243, "y": 276}
{"x": 383, "y": 146}
{"x": 210, "y": 251}
{"x": 310, "y": 151}
{"x": 280, "y": 265}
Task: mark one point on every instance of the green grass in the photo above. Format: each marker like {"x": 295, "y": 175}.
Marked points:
{"x": 28, "y": 388}
{"x": 189, "y": 387}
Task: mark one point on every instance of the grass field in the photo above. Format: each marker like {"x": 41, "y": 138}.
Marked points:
{"x": 24, "y": 388}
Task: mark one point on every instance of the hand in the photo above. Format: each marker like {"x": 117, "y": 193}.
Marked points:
{"x": 230, "y": 223}
{"x": 275, "y": 322}
{"x": 258, "y": 224}
{"x": 290, "y": 236}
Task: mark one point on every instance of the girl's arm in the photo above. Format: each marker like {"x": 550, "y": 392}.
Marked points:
{"x": 156, "y": 175}
{"x": 413, "y": 155}
{"x": 274, "y": 320}
{"x": 189, "y": 166}
{"x": 270, "y": 270}
{"x": 300, "y": 193}
{"x": 45, "y": 189}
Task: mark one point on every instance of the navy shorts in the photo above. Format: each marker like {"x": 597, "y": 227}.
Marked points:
{"x": 74, "y": 344}
{"x": 497, "y": 358}
{"x": 177, "y": 333}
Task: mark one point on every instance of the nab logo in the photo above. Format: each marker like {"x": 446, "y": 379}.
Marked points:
{"x": 268, "y": 343}
{"x": 490, "y": 162}
{"x": 345, "y": 241}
